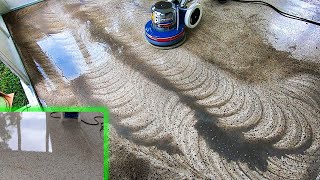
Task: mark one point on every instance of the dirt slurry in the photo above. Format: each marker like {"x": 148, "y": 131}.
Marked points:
{"x": 235, "y": 101}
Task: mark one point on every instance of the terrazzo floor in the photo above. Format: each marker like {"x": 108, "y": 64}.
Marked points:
{"x": 238, "y": 100}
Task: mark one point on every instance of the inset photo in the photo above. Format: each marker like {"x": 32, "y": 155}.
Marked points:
{"x": 51, "y": 145}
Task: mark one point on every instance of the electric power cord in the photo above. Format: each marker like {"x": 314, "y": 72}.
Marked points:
{"x": 55, "y": 117}
{"x": 278, "y": 11}
{"x": 91, "y": 124}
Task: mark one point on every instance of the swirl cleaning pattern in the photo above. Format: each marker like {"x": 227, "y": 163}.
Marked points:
{"x": 190, "y": 112}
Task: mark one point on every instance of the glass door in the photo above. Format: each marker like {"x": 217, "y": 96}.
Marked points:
{"x": 9, "y": 54}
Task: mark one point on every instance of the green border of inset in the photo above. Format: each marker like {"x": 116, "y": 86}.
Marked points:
{"x": 99, "y": 109}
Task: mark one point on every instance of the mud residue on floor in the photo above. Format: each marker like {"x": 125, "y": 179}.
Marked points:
{"x": 232, "y": 102}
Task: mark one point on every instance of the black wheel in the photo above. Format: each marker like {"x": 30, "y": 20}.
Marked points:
{"x": 193, "y": 16}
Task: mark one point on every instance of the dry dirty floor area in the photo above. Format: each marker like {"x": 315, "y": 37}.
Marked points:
{"x": 238, "y": 100}
{"x": 37, "y": 146}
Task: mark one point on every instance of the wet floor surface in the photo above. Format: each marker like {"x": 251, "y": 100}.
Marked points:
{"x": 37, "y": 146}
{"x": 239, "y": 99}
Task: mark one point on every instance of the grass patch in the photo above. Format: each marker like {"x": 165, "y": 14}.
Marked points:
{"x": 10, "y": 83}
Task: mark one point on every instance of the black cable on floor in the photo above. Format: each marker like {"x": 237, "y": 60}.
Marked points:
{"x": 51, "y": 115}
{"x": 280, "y": 12}
{"x": 101, "y": 127}
{"x": 91, "y": 124}
{"x": 95, "y": 118}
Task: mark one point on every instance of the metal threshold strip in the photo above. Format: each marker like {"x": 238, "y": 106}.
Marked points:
{"x": 19, "y": 6}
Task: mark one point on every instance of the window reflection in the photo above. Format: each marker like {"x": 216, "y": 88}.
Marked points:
{"x": 24, "y": 132}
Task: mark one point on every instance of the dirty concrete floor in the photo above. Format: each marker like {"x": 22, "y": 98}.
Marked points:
{"x": 240, "y": 99}
{"x": 37, "y": 146}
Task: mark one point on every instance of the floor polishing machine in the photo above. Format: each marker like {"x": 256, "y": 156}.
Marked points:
{"x": 166, "y": 29}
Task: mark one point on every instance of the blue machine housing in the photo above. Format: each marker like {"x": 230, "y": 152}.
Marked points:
{"x": 167, "y": 38}
{"x": 164, "y": 38}
{"x": 72, "y": 115}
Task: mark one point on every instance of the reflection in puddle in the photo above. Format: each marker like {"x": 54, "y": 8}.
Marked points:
{"x": 24, "y": 132}
{"x": 48, "y": 83}
{"x": 63, "y": 51}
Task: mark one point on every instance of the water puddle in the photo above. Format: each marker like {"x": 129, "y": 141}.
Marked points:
{"x": 63, "y": 50}
{"x": 24, "y": 132}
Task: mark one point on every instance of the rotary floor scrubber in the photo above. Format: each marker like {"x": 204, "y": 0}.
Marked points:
{"x": 166, "y": 29}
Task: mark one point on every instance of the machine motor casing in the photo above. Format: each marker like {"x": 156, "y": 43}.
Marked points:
{"x": 164, "y": 16}
{"x": 166, "y": 29}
